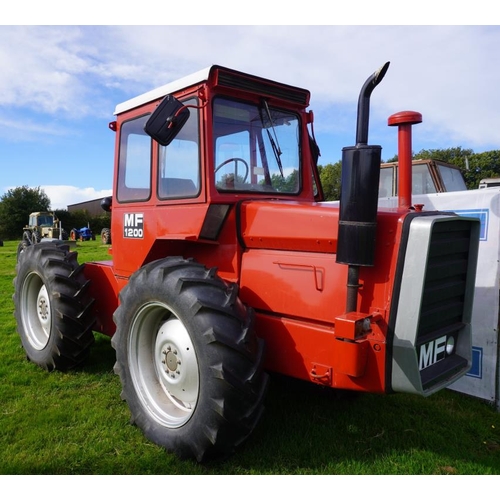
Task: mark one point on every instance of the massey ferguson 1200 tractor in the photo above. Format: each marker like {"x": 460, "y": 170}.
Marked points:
{"x": 227, "y": 265}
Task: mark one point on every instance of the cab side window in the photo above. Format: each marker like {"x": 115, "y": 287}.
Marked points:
{"x": 179, "y": 162}
{"x": 134, "y": 161}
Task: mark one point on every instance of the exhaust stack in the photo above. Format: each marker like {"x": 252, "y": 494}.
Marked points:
{"x": 404, "y": 120}
{"x": 359, "y": 195}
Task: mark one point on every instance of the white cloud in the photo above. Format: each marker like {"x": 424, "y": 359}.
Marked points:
{"x": 62, "y": 196}
{"x": 53, "y": 76}
{"x": 444, "y": 72}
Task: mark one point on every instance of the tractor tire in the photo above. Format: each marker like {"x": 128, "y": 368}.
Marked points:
{"x": 73, "y": 235}
{"x": 27, "y": 236}
{"x": 106, "y": 236}
{"x": 23, "y": 245}
{"x": 53, "y": 309}
{"x": 188, "y": 359}
{"x": 64, "y": 235}
{"x": 36, "y": 236}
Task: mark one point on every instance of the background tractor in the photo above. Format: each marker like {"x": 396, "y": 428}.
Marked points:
{"x": 82, "y": 234}
{"x": 43, "y": 225}
{"x": 227, "y": 265}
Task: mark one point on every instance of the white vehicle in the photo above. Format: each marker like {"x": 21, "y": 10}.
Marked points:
{"x": 439, "y": 186}
{"x": 487, "y": 183}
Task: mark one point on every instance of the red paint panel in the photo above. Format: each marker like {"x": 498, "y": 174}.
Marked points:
{"x": 104, "y": 289}
{"x": 312, "y": 352}
{"x": 294, "y": 284}
{"x": 310, "y": 227}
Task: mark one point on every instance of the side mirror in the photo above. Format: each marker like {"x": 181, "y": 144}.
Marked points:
{"x": 167, "y": 120}
{"x": 106, "y": 203}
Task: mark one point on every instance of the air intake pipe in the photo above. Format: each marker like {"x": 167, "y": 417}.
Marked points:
{"x": 359, "y": 195}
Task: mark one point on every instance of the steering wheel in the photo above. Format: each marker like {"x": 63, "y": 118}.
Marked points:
{"x": 235, "y": 160}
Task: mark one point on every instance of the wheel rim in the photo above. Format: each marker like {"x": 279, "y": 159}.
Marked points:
{"x": 35, "y": 311}
{"x": 163, "y": 365}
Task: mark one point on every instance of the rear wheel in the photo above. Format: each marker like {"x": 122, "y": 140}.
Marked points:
{"x": 188, "y": 359}
{"x": 106, "y": 236}
{"x": 53, "y": 307}
{"x": 73, "y": 235}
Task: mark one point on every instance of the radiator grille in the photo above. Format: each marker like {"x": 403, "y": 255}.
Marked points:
{"x": 444, "y": 294}
{"x": 446, "y": 278}
{"x": 430, "y": 324}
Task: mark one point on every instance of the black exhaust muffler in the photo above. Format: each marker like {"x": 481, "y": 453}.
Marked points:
{"x": 359, "y": 195}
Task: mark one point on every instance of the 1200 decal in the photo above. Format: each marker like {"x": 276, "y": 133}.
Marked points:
{"x": 133, "y": 226}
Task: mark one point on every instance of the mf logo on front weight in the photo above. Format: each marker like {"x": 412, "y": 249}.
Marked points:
{"x": 432, "y": 352}
{"x": 133, "y": 226}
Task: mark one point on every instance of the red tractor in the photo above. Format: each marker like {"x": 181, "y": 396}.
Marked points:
{"x": 228, "y": 265}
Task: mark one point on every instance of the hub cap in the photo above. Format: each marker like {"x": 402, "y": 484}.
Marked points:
{"x": 163, "y": 365}
{"x": 36, "y": 314}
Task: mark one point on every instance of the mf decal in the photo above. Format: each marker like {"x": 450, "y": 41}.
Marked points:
{"x": 432, "y": 352}
{"x": 133, "y": 226}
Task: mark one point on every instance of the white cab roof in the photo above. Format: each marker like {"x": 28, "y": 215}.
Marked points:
{"x": 162, "y": 91}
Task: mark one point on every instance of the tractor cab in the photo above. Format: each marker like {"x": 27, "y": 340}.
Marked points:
{"x": 41, "y": 219}
{"x": 221, "y": 137}
{"x": 428, "y": 176}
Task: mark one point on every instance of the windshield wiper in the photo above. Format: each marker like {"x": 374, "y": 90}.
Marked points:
{"x": 274, "y": 144}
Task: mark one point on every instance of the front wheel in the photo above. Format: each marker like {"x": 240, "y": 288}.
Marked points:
{"x": 52, "y": 306}
{"x": 21, "y": 247}
{"x": 27, "y": 236}
{"x": 188, "y": 359}
{"x": 36, "y": 236}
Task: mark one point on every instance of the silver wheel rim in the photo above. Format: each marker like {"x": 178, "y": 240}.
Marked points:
{"x": 163, "y": 365}
{"x": 35, "y": 311}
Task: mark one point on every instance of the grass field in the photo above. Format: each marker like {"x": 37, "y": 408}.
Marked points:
{"x": 75, "y": 423}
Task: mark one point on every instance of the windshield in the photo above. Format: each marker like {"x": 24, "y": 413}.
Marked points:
{"x": 45, "y": 220}
{"x": 452, "y": 178}
{"x": 256, "y": 148}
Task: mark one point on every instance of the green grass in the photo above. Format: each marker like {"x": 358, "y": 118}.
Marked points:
{"x": 75, "y": 423}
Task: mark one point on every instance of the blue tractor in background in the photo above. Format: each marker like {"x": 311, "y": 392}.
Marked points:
{"x": 82, "y": 234}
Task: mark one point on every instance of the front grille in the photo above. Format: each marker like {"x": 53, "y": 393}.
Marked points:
{"x": 445, "y": 277}
{"x": 429, "y": 326}
{"x": 444, "y": 294}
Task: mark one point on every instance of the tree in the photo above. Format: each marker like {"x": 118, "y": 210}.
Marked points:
{"x": 481, "y": 166}
{"x": 330, "y": 180}
{"x": 286, "y": 184}
{"x": 16, "y": 205}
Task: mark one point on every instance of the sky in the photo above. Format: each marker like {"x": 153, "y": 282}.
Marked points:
{"x": 60, "y": 83}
